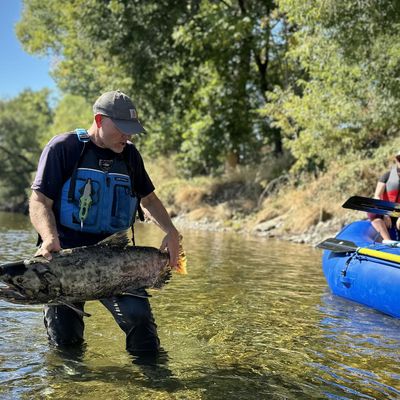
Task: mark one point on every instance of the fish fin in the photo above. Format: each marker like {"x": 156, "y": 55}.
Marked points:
{"x": 36, "y": 259}
{"x": 72, "y": 307}
{"x": 141, "y": 294}
{"x": 119, "y": 239}
{"x": 182, "y": 261}
{"x": 162, "y": 280}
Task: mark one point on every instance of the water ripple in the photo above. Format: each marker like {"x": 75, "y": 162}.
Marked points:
{"x": 252, "y": 320}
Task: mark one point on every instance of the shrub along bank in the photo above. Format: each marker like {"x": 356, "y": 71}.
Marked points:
{"x": 303, "y": 208}
{"x": 266, "y": 199}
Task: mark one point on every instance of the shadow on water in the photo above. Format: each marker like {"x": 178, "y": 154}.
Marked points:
{"x": 152, "y": 372}
{"x": 150, "y": 369}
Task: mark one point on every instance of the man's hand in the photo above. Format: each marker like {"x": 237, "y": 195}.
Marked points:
{"x": 398, "y": 224}
{"x": 48, "y": 246}
{"x": 171, "y": 242}
{"x": 157, "y": 212}
{"x": 44, "y": 221}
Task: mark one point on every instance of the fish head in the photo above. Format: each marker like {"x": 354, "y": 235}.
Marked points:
{"x": 8, "y": 274}
{"x": 19, "y": 278}
{"x": 12, "y": 271}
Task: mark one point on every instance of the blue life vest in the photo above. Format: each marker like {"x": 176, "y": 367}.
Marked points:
{"x": 108, "y": 184}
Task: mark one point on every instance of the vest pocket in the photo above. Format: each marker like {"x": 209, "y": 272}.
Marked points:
{"x": 123, "y": 207}
{"x": 112, "y": 206}
{"x": 69, "y": 213}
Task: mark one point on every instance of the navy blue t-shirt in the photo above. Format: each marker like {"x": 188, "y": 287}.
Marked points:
{"x": 56, "y": 166}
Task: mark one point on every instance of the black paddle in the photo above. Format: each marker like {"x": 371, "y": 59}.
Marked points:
{"x": 345, "y": 246}
{"x": 380, "y": 207}
{"x": 337, "y": 245}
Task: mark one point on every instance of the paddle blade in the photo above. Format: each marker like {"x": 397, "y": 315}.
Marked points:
{"x": 337, "y": 245}
{"x": 375, "y": 206}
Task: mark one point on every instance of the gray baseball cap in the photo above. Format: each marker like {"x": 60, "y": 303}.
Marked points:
{"x": 120, "y": 109}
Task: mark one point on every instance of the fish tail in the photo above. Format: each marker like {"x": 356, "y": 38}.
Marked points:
{"x": 182, "y": 261}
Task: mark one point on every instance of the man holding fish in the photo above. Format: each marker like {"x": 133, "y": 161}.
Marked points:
{"x": 88, "y": 186}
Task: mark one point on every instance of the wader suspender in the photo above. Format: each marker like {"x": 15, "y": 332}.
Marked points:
{"x": 83, "y": 137}
{"x": 71, "y": 191}
{"x": 139, "y": 208}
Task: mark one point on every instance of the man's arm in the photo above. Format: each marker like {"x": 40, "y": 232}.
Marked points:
{"x": 43, "y": 220}
{"x": 153, "y": 206}
{"x": 380, "y": 189}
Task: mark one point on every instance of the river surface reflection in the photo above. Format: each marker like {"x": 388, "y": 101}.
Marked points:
{"x": 252, "y": 320}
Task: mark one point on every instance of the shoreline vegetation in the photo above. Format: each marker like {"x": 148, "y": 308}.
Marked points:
{"x": 264, "y": 200}
{"x": 303, "y": 208}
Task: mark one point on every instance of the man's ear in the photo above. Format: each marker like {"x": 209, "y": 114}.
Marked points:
{"x": 97, "y": 118}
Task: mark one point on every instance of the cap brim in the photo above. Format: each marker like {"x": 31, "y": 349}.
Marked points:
{"x": 129, "y": 127}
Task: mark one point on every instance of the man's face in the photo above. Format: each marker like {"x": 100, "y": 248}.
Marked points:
{"x": 111, "y": 137}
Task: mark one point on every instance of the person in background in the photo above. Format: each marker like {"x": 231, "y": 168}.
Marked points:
{"x": 65, "y": 205}
{"x": 388, "y": 188}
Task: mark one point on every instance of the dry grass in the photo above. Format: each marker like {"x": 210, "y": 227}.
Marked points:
{"x": 232, "y": 198}
{"x": 188, "y": 197}
{"x": 266, "y": 214}
{"x": 302, "y": 207}
{"x": 221, "y": 213}
{"x": 202, "y": 213}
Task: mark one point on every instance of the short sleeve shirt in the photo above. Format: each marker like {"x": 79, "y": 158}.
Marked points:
{"x": 56, "y": 165}
{"x": 384, "y": 178}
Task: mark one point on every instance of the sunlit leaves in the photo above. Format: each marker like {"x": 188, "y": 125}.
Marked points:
{"x": 350, "y": 53}
{"x": 24, "y": 120}
{"x": 162, "y": 53}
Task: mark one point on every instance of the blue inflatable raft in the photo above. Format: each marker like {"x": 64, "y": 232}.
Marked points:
{"x": 367, "y": 272}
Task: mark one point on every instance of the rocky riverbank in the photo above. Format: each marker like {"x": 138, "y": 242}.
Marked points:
{"x": 270, "y": 229}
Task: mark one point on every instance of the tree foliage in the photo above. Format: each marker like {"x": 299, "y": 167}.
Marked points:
{"x": 24, "y": 120}
{"x": 198, "y": 69}
{"x": 350, "y": 53}
{"x": 70, "y": 113}
{"x": 324, "y": 74}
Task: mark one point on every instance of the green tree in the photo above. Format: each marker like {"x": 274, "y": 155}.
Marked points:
{"x": 231, "y": 58}
{"x": 198, "y": 69}
{"x": 24, "y": 120}
{"x": 350, "y": 53}
{"x": 70, "y": 113}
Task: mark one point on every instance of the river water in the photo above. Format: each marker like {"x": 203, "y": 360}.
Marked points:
{"x": 252, "y": 320}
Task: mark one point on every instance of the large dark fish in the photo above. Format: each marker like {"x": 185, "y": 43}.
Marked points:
{"x": 106, "y": 269}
